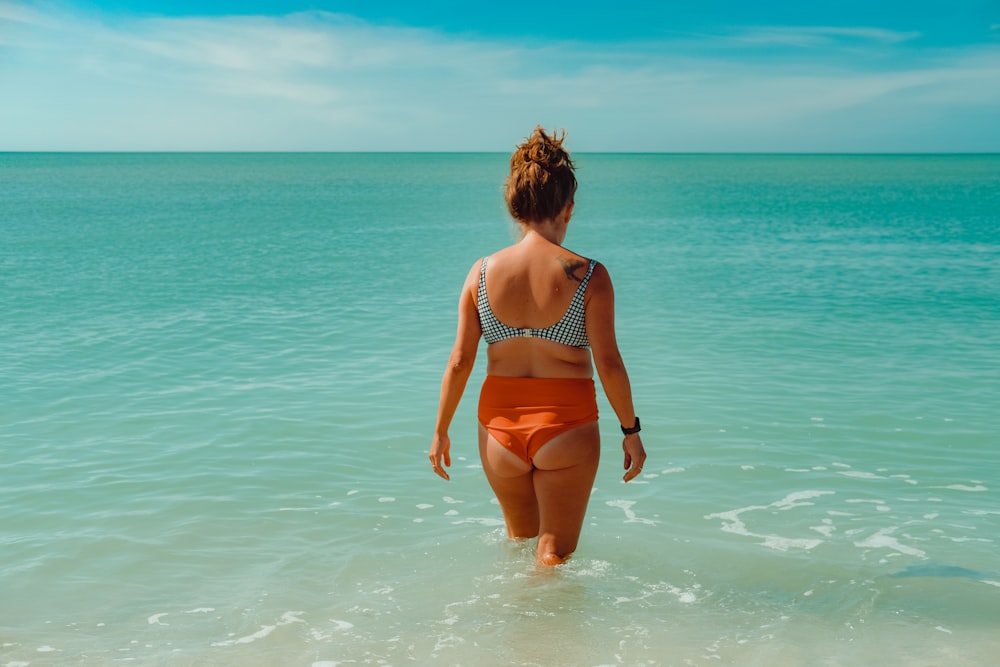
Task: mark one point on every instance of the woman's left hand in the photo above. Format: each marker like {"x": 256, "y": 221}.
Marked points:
{"x": 441, "y": 452}
{"x": 635, "y": 456}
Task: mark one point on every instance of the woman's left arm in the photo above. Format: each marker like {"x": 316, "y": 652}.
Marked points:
{"x": 600, "y": 310}
{"x": 456, "y": 374}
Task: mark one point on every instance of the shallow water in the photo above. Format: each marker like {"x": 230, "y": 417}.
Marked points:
{"x": 221, "y": 372}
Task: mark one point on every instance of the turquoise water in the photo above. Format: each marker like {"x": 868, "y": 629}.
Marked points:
{"x": 220, "y": 374}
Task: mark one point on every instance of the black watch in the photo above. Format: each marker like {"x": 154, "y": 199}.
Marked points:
{"x": 634, "y": 429}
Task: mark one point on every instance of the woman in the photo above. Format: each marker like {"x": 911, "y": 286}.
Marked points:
{"x": 548, "y": 318}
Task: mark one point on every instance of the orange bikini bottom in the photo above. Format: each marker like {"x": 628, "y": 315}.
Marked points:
{"x": 523, "y": 414}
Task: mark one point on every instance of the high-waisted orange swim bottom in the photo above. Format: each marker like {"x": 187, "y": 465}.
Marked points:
{"x": 523, "y": 414}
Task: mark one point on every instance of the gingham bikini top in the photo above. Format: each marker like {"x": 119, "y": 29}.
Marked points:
{"x": 570, "y": 330}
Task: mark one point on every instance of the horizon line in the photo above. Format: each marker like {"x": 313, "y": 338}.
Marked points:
{"x": 480, "y": 152}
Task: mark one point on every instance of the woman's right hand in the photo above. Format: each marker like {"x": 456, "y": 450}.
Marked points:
{"x": 635, "y": 456}
{"x": 441, "y": 452}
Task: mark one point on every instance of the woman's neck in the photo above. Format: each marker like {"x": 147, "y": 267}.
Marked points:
{"x": 549, "y": 230}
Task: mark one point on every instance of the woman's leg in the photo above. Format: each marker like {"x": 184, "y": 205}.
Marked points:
{"x": 510, "y": 478}
{"x": 565, "y": 468}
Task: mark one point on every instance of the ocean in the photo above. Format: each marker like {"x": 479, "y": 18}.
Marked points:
{"x": 219, "y": 376}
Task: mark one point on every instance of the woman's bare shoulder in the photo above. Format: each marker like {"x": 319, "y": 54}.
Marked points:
{"x": 474, "y": 270}
{"x": 600, "y": 281}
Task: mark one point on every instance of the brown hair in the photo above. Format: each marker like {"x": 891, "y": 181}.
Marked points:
{"x": 541, "y": 180}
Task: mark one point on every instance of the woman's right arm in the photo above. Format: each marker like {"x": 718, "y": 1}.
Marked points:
{"x": 456, "y": 374}
{"x": 600, "y": 310}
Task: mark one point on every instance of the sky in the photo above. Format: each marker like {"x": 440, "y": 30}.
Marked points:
{"x": 618, "y": 75}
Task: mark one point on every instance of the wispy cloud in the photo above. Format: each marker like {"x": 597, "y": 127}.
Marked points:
{"x": 820, "y": 36}
{"x": 326, "y": 81}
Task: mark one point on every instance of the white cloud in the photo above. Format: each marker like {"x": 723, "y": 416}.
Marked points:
{"x": 321, "y": 81}
{"x": 820, "y": 36}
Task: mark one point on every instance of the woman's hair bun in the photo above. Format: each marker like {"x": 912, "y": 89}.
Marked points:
{"x": 545, "y": 150}
{"x": 541, "y": 180}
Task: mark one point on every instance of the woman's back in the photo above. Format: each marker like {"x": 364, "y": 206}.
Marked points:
{"x": 530, "y": 288}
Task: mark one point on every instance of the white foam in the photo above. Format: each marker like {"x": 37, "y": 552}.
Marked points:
{"x": 795, "y": 499}
{"x": 825, "y": 531}
{"x": 155, "y": 619}
{"x": 969, "y": 539}
{"x": 964, "y": 487}
{"x": 424, "y": 506}
{"x": 593, "y": 568}
{"x": 779, "y": 543}
{"x": 387, "y": 499}
{"x": 981, "y": 512}
{"x": 860, "y": 474}
{"x": 733, "y": 524}
{"x": 630, "y": 515}
{"x": 265, "y": 630}
{"x": 883, "y": 539}
{"x": 450, "y": 500}
{"x": 685, "y": 596}
{"x": 201, "y": 610}
{"x": 484, "y": 521}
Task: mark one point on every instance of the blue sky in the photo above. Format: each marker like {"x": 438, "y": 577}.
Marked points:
{"x": 620, "y": 75}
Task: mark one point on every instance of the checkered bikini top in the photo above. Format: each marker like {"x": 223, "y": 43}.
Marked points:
{"x": 570, "y": 330}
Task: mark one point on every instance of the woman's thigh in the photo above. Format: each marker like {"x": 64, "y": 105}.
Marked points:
{"x": 511, "y": 481}
{"x": 565, "y": 469}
